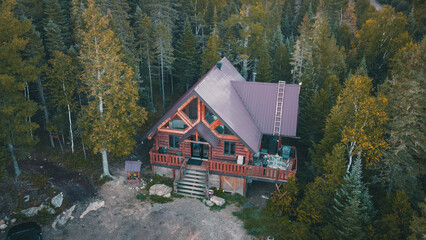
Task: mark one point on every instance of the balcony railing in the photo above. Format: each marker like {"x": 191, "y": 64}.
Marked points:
{"x": 216, "y": 166}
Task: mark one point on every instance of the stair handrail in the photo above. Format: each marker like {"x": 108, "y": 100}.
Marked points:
{"x": 206, "y": 190}
{"x": 179, "y": 175}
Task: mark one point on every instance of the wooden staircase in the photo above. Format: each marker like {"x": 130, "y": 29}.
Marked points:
{"x": 193, "y": 184}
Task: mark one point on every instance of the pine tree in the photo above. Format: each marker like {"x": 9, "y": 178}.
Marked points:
{"x": 264, "y": 69}
{"x": 54, "y": 13}
{"x": 14, "y": 74}
{"x": 145, "y": 47}
{"x": 187, "y": 58}
{"x": 164, "y": 52}
{"x": 281, "y": 68}
{"x": 112, "y": 114}
{"x": 352, "y": 210}
{"x": 53, "y": 38}
{"x": 402, "y": 163}
{"x": 211, "y": 53}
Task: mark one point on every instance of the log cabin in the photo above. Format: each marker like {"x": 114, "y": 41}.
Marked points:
{"x": 225, "y": 132}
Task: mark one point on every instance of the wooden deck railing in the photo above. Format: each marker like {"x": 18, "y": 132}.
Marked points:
{"x": 228, "y": 168}
{"x": 179, "y": 175}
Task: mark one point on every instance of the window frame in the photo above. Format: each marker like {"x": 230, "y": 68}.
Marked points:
{"x": 231, "y": 147}
{"x": 172, "y": 140}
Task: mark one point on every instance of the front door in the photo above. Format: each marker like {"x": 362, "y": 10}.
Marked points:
{"x": 200, "y": 151}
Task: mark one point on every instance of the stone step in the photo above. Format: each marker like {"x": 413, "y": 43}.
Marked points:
{"x": 194, "y": 188}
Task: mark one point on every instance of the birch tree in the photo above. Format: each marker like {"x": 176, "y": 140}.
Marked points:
{"x": 111, "y": 115}
{"x": 63, "y": 85}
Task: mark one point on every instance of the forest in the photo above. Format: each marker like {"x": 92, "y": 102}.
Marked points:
{"x": 84, "y": 79}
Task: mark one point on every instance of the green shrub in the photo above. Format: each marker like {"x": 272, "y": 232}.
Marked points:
{"x": 256, "y": 221}
{"x": 38, "y": 180}
{"x": 141, "y": 197}
{"x": 159, "y": 199}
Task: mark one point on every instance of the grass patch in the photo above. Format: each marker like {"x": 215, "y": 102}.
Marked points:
{"x": 38, "y": 180}
{"x": 141, "y": 197}
{"x": 256, "y": 221}
{"x": 102, "y": 180}
{"x": 159, "y": 199}
{"x": 157, "y": 179}
{"x": 236, "y": 199}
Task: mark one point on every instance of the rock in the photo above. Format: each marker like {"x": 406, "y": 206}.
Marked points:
{"x": 57, "y": 200}
{"x": 209, "y": 203}
{"x": 62, "y": 218}
{"x": 160, "y": 190}
{"x": 13, "y": 221}
{"x": 168, "y": 195}
{"x": 6, "y": 218}
{"x": 93, "y": 207}
{"x": 3, "y": 226}
{"x": 217, "y": 200}
{"x": 51, "y": 210}
{"x": 29, "y": 212}
{"x": 27, "y": 198}
{"x": 2, "y": 221}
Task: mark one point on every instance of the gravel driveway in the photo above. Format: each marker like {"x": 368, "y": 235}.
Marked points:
{"x": 125, "y": 217}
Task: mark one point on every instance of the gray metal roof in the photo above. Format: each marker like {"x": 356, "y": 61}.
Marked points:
{"x": 204, "y": 131}
{"x": 132, "y": 166}
{"x": 218, "y": 94}
{"x": 260, "y": 99}
{"x": 246, "y": 108}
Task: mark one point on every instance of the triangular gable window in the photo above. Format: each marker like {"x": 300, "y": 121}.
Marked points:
{"x": 175, "y": 123}
{"x": 190, "y": 110}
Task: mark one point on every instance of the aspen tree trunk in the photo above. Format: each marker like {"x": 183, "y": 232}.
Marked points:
{"x": 60, "y": 144}
{"x": 103, "y": 152}
{"x": 245, "y": 58}
{"x": 82, "y": 144}
{"x": 70, "y": 121}
{"x": 150, "y": 84}
{"x": 27, "y": 94}
{"x": 162, "y": 80}
{"x": 171, "y": 81}
{"x": 46, "y": 113}
{"x": 15, "y": 163}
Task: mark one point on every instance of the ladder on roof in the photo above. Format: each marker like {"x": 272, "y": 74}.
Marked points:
{"x": 279, "y": 108}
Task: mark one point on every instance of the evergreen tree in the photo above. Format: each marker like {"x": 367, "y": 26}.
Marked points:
{"x": 164, "y": 52}
{"x": 145, "y": 47}
{"x": 53, "y": 39}
{"x": 211, "y": 53}
{"x": 264, "y": 69}
{"x": 403, "y": 162}
{"x": 14, "y": 74}
{"x": 187, "y": 58}
{"x": 54, "y": 13}
{"x": 281, "y": 68}
{"x": 352, "y": 210}
{"x": 112, "y": 115}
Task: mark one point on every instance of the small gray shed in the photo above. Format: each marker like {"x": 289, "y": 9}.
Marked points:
{"x": 133, "y": 169}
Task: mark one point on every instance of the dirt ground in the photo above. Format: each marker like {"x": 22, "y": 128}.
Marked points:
{"x": 125, "y": 217}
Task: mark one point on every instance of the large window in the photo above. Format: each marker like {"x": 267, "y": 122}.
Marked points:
{"x": 222, "y": 129}
{"x": 191, "y": 110}
{"x": 173, "y": 141}
{"x": 229, "y": 148}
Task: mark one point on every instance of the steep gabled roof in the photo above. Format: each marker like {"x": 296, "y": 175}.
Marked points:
{"x": 246, "y": 108}
{"x": 260, "y": 99}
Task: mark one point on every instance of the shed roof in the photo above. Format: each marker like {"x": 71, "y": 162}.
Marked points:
{"x": 204, "y": 131}
{"x": 132, "y": 166}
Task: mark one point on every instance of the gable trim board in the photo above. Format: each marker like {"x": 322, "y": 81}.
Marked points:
{"x": 246, "y": 108}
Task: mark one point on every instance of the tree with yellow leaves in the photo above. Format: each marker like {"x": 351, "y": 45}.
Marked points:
{"x": 111, "y": 115}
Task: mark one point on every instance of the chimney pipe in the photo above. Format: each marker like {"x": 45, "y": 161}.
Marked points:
{"x": 254, "y": 77}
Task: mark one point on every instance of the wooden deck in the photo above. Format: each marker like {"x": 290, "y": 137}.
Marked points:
{"x": 226, "y": 168}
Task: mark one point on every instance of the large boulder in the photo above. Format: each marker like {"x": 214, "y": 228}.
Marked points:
{"x": 29, "y": 212}
{"x": 3, "y": 226}
{"x": 217, "y": 200}
{"x": 160, "y": 190}
{"x": 57, "y": 200}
